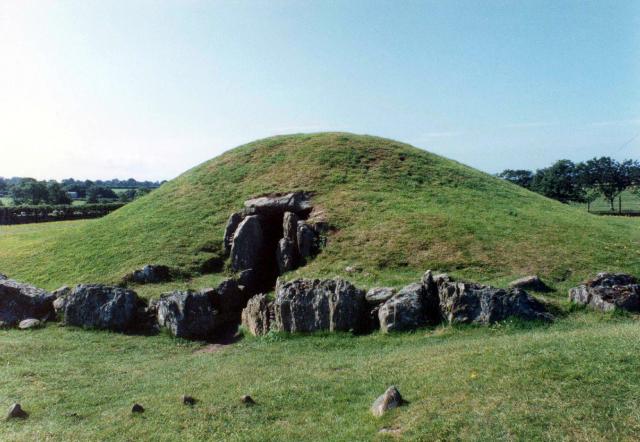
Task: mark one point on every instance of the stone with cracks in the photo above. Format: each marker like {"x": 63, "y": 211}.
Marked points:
{"x": 407, "y": 310}
{"x": 247, "y": 244}
{"x": 479, "y": 304}
{"x": 188, "y": 315}
{"x": 256, "y": 316}
{"x": 22, "y": 301}
{"x": 297, "y": 202}
{"x": 608, "y": 291}
{"x": 103, "y": 307}
{"x": 305, "y": 305}
{"x": 232, "y": 225}
{"x": 389, "y": 400}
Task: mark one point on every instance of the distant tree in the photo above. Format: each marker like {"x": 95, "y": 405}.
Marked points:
{"x": 127, "y": 196}
{"x": 29, "y": 191}
{"x": 608, "y": 176}
{"x": 97, "y": 193}
{"x": 56, "y": 194}
{"x": 560, "y": 182}
{"x": 520, "y": 177}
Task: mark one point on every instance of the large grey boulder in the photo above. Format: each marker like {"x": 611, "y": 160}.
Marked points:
{"x": 277, "y": 204}
{"x": 22, "y": 301}
{"x": 247, "y": 244}
{"x": 311, "y": 305}
{"x": 103, "y": 307}
{"x": 407, "y": 310}
{"x": 188, "y": 315}
{"x": 608, "y": 291}
{"x": 256, "y": 316}
{"x": 232, "y": 225}
{"x": 480, "y": 304}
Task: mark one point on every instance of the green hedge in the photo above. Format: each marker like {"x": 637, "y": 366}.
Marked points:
{"x": 45, "y": 213}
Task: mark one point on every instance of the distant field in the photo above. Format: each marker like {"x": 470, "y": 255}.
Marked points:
{"x": 630, "y": 202}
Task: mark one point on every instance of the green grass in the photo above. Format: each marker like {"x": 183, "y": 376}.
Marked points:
{"x": 397, "y": 211}
{"x": 578, "y": 379}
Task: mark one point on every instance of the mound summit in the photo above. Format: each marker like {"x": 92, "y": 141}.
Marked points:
{"x": 394, "y": 210}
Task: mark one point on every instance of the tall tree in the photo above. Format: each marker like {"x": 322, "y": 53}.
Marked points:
{"x": 560, "y": 182}
{"x": 608, "y": 176}
{"x": 521, "y": 177}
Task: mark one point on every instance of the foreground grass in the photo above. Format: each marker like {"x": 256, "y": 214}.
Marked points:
{"x": 578, "y": 379}
{"x": 396, "y": 210}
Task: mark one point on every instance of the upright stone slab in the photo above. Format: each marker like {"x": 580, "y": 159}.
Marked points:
{"x": 247, "y": 245}
{"x": 306, "y": 239}
{"x": 290, "y": 226}
{"x": 256, "y": 316}
{"x": 286, "y": 256}
{"x": 232, "y": 225}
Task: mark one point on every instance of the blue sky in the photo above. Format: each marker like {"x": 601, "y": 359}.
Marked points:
{"x": 100, "y": 89}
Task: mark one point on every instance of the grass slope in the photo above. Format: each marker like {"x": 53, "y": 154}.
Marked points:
{"x": 398, "y": 210}
{"x": 577, "y": 379}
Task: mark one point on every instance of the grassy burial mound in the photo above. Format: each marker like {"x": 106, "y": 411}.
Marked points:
{"x": 394, "y": 211}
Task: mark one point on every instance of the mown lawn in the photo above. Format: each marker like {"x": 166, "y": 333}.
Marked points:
{"x": 578, "y": 379}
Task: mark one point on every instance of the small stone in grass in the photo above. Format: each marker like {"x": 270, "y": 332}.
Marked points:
{"x": 188, "y": 400}
{"x": 16, "y": 411}
{"x": 137, "y": 408}
{"x": 29, "y": 323}
{"x": 247, "y": 400}
{"x": 387, "y": 401}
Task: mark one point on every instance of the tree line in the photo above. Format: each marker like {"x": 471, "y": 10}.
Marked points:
{"x": 582, "y": 182}
{"x": 29, "y": 191}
